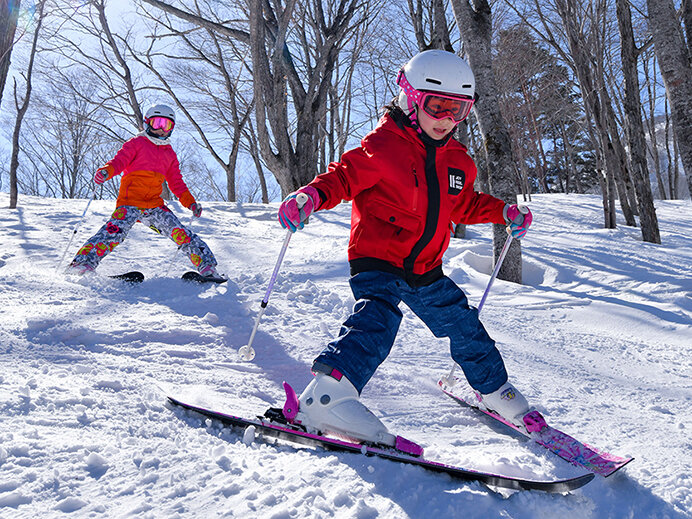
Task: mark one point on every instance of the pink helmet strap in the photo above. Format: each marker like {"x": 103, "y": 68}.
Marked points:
{"x": 412, "y": 94}
{"x": 413, "y": 97}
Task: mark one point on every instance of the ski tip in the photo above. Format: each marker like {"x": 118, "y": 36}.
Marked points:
{"x": 129, "y": 277}
{"x": 568, "y": 485}
{"x": 561, "y": 486}
{"x": 196, "y": 277}
{"x": 616, "y": 467}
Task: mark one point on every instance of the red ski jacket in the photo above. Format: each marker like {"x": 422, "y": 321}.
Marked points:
{"x": 407, "y": 191}
{"x": 146, "y": 166}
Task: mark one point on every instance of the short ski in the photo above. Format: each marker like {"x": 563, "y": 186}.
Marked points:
{"x": 129, "y": 277}
{"x": 268, "y": 426}
{"x": 196, "y": 277}
{"x": 568, "y": 448}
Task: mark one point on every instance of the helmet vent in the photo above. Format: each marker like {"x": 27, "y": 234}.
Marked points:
{"x": 466, "y": 86}
{"x": 433, "y": 81}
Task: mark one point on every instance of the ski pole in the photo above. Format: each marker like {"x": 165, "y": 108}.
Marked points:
{"x": 175, "y": 254}
{"x": 247, "y": 353}
{"x": 74, "y": 232}
{"x": 449, "y": 379}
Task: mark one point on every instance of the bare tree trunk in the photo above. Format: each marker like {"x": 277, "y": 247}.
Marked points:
{"x": 610, "y": 182}
{"x": 255, "y": 154}
{"x": 536, "y": 141}
{"x": 651, "y": 127}
{"x": 21, "y": 110}
{"x": 475, "y": 24}
{"x": 675, "y": 63}
{"x": 9, "y": 12}
{"x": 593, "y": 103}
{"x": 572, "y": 172}
{"x": 634, "y": 127}
{"x": 675, "y": 176}
{"x": 670, "y": 155}
{"x": 269, "y": 96}
{"x": 618, "y": 167}
{"x": 686, "y": 8}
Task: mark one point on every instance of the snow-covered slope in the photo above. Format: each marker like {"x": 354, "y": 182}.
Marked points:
{"x": 599, "y": 338}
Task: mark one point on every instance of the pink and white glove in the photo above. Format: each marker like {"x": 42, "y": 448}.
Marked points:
{"x": 101, "y": 176}
{"x": 518, "y": 219}
{"x": 293, "y": 217}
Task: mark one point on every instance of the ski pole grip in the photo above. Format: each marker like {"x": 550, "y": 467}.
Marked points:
{"x": 301, "y": 200}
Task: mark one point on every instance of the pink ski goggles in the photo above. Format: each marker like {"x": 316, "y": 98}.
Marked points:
{"x": 435, "y": 104}
{"x": 161, "y": 123}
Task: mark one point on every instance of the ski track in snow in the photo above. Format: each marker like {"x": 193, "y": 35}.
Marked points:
{"x": 598, "y": 338}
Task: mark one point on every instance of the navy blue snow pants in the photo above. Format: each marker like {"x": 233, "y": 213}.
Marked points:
{"x": 367, "y": 336}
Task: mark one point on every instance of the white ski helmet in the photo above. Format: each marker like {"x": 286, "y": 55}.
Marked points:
{"x": 434, "y": 71}
{"x": 160, "y": 111}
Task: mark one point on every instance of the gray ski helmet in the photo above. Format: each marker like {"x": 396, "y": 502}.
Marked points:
{"x": 434, "y": 71}
{"x": 160, "y": 111}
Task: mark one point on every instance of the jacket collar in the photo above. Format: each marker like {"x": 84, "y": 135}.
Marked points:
{"x": 397, "y": 119}
{"x": 158, "y": 142}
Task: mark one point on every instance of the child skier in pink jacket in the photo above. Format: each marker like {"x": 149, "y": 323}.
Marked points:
{"x": 146, "y": 162}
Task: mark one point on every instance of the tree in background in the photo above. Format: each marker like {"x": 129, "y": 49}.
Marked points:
{"x": 538, "y": 103}
{"x": 87, "y": 42}
{"x": 294, "y": 50}
{"x": 22, "y": 107}
{"x": 300, "y": 63}
{"x": 674, "y": 54}
{"x": 9, "y": 13}
{"x": 325, "y": 70}
{"x": 203, "y": 68}
{"x": 634, "y": 129}
{"x": 62, "y": 141}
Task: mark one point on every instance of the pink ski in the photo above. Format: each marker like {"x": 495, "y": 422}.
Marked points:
{"x": 273, "y": 425}
{"x": 568, "y": 448}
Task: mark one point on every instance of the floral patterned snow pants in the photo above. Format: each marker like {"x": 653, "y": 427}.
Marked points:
{"x": 160, "y": 219}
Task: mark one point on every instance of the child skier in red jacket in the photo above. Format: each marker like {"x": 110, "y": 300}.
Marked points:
{"x": 146, "y": 162}
{"x": 409, "y": 180}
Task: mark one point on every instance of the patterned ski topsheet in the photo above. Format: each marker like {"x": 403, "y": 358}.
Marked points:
{"x": 562, "y": 444}
{"x": 288, "y": 433}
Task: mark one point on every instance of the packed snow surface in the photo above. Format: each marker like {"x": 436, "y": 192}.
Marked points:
{"x": 598, "y": 338}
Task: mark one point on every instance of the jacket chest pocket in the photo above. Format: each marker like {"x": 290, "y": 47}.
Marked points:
{"x": 397, "y": 217}
{"x": 391, "y": 230}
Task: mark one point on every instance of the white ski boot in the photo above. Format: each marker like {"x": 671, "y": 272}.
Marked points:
{"x": 331, "y": 405}
{"x": 508, "y": 402}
